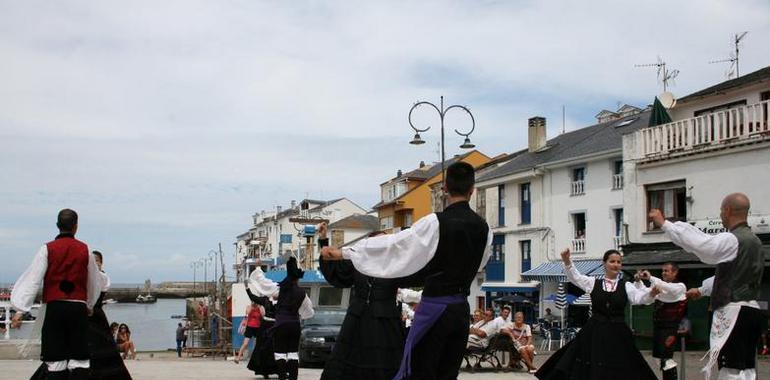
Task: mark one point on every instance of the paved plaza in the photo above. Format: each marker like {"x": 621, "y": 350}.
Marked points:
{"x": 165, "y": 366}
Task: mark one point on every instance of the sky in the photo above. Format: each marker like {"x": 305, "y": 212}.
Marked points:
{"x": 166, "y": 125}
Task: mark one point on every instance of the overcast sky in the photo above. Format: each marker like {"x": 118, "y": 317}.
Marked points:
{"x": 166, "y": 125}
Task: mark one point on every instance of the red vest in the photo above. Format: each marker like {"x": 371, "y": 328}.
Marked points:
{"x": 67, "y": 275}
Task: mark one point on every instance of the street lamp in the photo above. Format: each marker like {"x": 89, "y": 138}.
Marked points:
{"x": 204, "y": 262}
{"x": 417, "y": 140}
{"x": 194, "y": 266}
{"x": 216, "y": 278}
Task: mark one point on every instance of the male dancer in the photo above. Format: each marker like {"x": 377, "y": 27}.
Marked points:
{"x": 670, "y": 308}
{"x": 71, "y": 286}
{"x": 737, "y": 254}
{"x": 448, "y": 248}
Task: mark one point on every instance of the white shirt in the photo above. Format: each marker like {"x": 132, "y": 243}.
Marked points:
{"x": 711, "y": 249}
{"x": 520, "y": 334}
{"x": 670, "y": 291}
{"x": 409, "y": 296}
{"x": 706, "y": 286}
{"x": 403, "y": 253}
{"x": 259, "y": 284}
{"x": 28, "y": 285}
{"x": 635, "y": 296}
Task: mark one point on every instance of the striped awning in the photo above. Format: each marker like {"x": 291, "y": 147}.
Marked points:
{"x": 584, "y": 300}
{"x": 554, "y": 271}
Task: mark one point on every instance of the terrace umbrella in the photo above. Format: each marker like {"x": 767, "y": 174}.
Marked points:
{"x": 659, "y": 114}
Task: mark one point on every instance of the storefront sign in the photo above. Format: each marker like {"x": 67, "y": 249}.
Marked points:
{"x": 758, "y": 224}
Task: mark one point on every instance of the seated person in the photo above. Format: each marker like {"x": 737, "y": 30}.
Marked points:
{"x": 125, "y": 344}
{"x": 521, "y": 337}
{"x": 480, "y": 332}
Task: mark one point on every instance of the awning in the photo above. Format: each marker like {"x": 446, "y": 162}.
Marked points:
{"x": 310, "y": 277}
{"x": 512, "y": 287}
{"x": 570, "y": 298}
{"x": 554, "y": 271}
{"x": 652, "y": 255}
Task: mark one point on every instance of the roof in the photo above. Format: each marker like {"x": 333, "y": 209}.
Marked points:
{"x": 366, "y": 222}
{"x": 598, "y": 138}
{"x": 758, "y": 76}
{"x": 554, "y": 271}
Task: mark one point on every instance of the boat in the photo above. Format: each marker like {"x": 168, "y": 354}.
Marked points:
{"x": 177, "y": 316}
{"x": 110, "y": 301}
{"x": 149, "y": 298}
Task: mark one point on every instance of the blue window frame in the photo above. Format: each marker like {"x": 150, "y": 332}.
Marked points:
{"x": 526, "y": 255}
{"x": 496, "y": 265}
{"x": 501, "y": 205}
{"x": 526, "y": 204}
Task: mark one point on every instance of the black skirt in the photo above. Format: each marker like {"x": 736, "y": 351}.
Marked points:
{"x": 262, "y": 361}
{"x": 369, "y": 346}
{"x": 601, "y": 350}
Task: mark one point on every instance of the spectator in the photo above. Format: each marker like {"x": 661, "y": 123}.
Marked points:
{"x": 180, "y": 338}
{"x": 521, "y": 336}
{"x": 114, "y": 328}
{"x": 548, "y": 317}
{"x": 125, "y": 344}
{"x": 482, "y": 330}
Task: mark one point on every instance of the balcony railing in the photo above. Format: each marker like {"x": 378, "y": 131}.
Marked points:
{"x": 731, "y": 126}
{"x": 578, "y": 245}
{"x": 578, "y": 188}
{"x": 618, "y": 241}
{"x": 617, "y": 181}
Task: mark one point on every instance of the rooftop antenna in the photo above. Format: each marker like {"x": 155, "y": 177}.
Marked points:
{"x": 563, "y": 119}
{"x": 664, "y": 75}
{"x": 734, "y": 63}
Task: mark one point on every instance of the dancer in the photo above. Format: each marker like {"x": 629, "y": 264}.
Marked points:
{"x": 71, "y": 286}
{"x": 737, "y": 254}
{"x": 293, "y": 304}
{"x": 371, "y": 339}
{"x": 604, "y": 348}
{"x": 447, "y": 248}
{"x": 252, "y": 324}
{"x": 262, "y": 361}
{"x": 670, "y": 308}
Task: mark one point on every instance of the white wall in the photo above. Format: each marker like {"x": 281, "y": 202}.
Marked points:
{"x": 711, "y": 176}
{"x": 750, "y": 94}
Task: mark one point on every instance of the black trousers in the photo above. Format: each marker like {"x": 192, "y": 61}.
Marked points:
{"x": 439, "y": 354}
{"x": 664, "y": 340}
{"x": 65, "y": 332}
{"x": 740, "y": 350}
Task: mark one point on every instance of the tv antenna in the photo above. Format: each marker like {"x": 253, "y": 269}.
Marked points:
{"x": 664, "y": 74}
{"x": 734, "y": 63}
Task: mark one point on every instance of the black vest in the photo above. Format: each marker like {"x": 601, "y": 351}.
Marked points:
{"x": 290, "y": 298}
{"x": 740, "y": 279}
{"x": 609, "y": 306}
{"x": 462, "y": 241}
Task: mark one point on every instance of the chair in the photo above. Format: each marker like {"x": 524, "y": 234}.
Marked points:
{"x": 481, "y": 355}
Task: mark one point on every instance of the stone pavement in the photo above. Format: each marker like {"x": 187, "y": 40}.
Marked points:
{"x": 163, "y": 366}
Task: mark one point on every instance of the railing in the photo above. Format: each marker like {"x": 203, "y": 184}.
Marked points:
{"x": 733, "y": 125}
{"x": 578, "y": 187}
{"x": 578, "y": 245}
{"x": 618, "y": 240}
{"x": 5, "y": 307}
{"x": 617, "y": 181}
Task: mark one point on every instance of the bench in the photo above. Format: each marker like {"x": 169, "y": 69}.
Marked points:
{"x": 498, "y": 345}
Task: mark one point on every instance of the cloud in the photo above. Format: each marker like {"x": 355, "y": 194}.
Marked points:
{"x": 166, "y": 125}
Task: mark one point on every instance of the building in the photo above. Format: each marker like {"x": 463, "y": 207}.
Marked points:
{"x": 717, "y": 143}
{"x": 407, "y": 197}
{"x": 557, "y": 193}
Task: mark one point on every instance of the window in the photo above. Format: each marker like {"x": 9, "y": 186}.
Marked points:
{"x": 579, "y": 224}
{"x": 526, "y": 255}
{"x": 578, "y": 181}
{"x": 481, "y": 203}
{"x": 501, "y": 205}
{"x": 408, "y": 219}
{"x": 526, "y": 206}
{"x": 617, "y": 175}
{"x": 670, "y": 198}
{"x": 618, "y": 213}
{"x": 495, "y": 269}
{"x": 386, "y": 223}
{"x": 329, "y": 296}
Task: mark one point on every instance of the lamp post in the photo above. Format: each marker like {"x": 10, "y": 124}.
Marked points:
{"x": 216, "y": 278}
{"x": 417, "y": 140}
{"x": 194, "y": 266}
{"x": 204, "y": 262}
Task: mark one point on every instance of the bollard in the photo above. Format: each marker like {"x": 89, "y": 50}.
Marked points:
{"x": 683, "y": 374}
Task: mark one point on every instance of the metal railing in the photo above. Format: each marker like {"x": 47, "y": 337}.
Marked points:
{"x": 578, "y": 187}
{"x": 617, "y": 181}
{"x": 618, "y": 240}
{"x": 730, "y": 126}
{"x": 578, "y": 245}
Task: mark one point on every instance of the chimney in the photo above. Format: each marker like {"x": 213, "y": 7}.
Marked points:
{"x": 536, "y": 133}
{"x": 399, "y": 173}
{"x": 422, "y": 164}
{"x": 293, "y": 204}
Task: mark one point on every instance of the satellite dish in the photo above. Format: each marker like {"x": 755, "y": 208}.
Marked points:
{"x": 667, "y": 99}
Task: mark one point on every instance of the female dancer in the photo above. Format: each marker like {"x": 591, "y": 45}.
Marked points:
{"x": 604, "y": 348}
{"x": 371, "y": 340}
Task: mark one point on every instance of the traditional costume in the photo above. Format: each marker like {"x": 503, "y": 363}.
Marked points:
{"x": 604, "y": 348}
{"x": 737, "y": 321}
{"x": 262, "y": 361}
{"x": 670, "y": 308}
{"x": 447, "y": 249}
{"x": 292, "y": 306}
{"x": 371, "y": 339}
{"x": 71, "y": 285}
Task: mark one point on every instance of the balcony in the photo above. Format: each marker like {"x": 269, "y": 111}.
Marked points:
{"x": 619, "y": 241}
{"x": 578, "y": 188}
{"x": 735, "y": 126}
{"x": 617, "y": 181}
{"x": 578, "y": 245}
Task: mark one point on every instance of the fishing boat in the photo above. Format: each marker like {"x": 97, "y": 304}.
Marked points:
{"x": 149, "y": 298}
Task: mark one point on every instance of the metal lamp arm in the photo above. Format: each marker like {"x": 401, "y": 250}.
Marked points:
{"x": 441, "y": 115}
{"x": 473, "y": 120}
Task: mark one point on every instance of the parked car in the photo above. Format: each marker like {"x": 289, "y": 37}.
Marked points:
{"x": 319, "y": 335}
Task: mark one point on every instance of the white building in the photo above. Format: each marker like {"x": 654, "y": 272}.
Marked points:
{"x": 558, "y": 193}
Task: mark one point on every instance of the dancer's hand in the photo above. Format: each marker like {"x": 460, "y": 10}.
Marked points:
{"x": 655, "y": 291}
{"x": 331, "y": 253}
{"x": 645, "y": 275}
{"x": 565, "y": 257}
{"x": 694, "y": 294}
{"x": 322, "y": 228}
{"x": 657, "y": 217}
{"x": 16, "y": 320}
